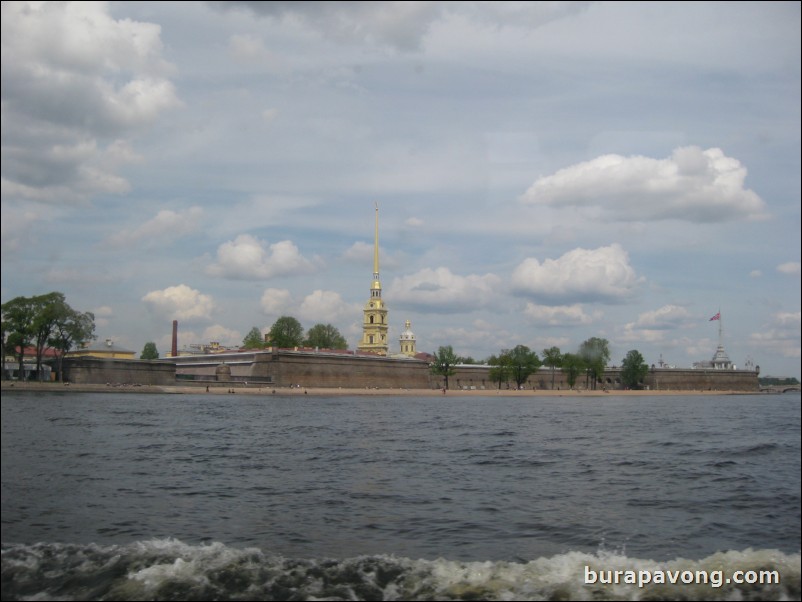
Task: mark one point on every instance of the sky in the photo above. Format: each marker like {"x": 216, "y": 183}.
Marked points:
{"x": 545, "y": 172}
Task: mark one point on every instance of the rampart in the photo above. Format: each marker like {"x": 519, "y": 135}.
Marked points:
{"x": 286, "y": 368}
{"x": 94, "y": 370}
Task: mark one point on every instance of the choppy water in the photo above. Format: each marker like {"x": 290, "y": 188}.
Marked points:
{"x": 125, "y": 496}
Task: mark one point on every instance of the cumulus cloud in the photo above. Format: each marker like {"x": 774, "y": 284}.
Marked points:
{"x": 691, "y": 185}
{"x": 276, "y": 301}
{"x": 248, "y": 258}
{"x": 75, "y": 83}
{"x": 781, "y": 335}
{"x": 440, "y": 290}
{"x": 792, "y": 268}
{"x": 327, "y": 307}
{"x": 562, "y": 315}
{"x": 581, "y": 275}
{"x": 180, "y": 303}
{"x": 102, "y": 315}
{"x": 664, "y": 318}
{"x": 165, "y": 227}
{"x": 221, "y": 334}
{"x": 653, "y": 326}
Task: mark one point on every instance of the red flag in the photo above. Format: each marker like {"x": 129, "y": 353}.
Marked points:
{"x": 716, "y": 317}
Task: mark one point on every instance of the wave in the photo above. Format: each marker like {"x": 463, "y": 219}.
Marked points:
{"x": 167, "y": 569}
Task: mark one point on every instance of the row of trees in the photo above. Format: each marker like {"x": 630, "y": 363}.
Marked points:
{"x": 42, "y": 322}
{"x": 519, "y": 363}
{"x": 287, "y": 332}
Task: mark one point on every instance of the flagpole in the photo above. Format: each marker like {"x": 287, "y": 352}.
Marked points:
{"x": 719, "y": 327}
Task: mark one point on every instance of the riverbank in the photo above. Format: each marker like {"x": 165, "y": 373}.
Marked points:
{"x": 244, "y": 389}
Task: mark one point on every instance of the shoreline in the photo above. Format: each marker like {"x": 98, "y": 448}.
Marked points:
{"x": 242, "y": 389}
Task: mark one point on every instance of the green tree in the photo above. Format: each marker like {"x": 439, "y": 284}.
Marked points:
{"x": 553, "y": 358}
{"x": 500, "y": 370}
{"x": 572, "y": 366}
{"x": 149, "y": 351}
{"x": 254, "y": 339}
{"x": 286, "y": 332}
{"x": 595, "y": 352}
{"x": 633, "y": 369}
{"x": 444, "y": 361}
{"x": 73, "y": 329}
{"x": 325, "y": 336}
{"x": 523, "y": 363}
{"x": 18, "y": 319}
{"x": 51, "y": 309}
{"x": 42, "y": 321}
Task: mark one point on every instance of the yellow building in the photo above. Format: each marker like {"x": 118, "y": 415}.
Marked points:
{"x": 374, "y": 322}
{"x": 107, "y": 350}
{"x": 407, "y": 340}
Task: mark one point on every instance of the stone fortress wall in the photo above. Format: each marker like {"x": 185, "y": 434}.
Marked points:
{"x": 285, "y": 368}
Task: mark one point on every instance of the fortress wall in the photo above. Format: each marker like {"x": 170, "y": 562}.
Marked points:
{"x": 702, "y": 380}
{"x": 309, "y": 369}
{"x": 93, "y": 370}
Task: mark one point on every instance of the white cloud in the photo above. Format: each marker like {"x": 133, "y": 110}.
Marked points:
{"x": 581, "y": 275}
{"x": 792, "y": 268}
{"x": 75, "y": 83}
{"x": 224, "y": 336}
{"x": 782, "y": 335}
{"x": 665, "y": 318}
{"x": 359, "y": 252}
{"x": 248, "y": 258}
{"x": 691, "y": 185}
{"x": 102, "y": 315}
{"x": 180, "y": 303}
{"x": 563, "y": 315}
{"x": 326, "y": 307}
{"x": 276, "y": 302}
{"x": 165, "y": 227}
{"x": 755, "y": 274}
{"x": 440, "y": 290}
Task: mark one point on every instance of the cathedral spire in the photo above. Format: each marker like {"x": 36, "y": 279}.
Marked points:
{"x": 376, "y": 247}
{"x": 374, "y": 324}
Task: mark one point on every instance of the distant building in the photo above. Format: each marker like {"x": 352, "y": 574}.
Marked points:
{"x": 106, "y": 350}
{"x": 720, "y": 361}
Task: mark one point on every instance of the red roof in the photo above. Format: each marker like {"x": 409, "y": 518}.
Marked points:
{"x": 30, "y": 351}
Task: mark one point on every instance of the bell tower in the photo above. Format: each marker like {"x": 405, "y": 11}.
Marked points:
{"x": 374, "y": 321}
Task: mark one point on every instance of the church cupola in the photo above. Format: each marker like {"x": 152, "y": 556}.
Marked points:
{"x": 407, "y": 341}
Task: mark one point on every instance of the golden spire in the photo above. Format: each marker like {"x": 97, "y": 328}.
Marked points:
{"x": 376, "y": 247}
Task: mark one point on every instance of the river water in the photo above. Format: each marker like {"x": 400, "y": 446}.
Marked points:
{"x": 129, "y": 496}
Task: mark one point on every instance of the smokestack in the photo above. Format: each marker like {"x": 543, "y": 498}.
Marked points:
{"x": 175, "y": 338}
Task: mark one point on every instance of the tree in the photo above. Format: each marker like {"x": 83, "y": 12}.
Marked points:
{"x": 633, "y": 369}
{"x": 286, "y": 332}
{"x": 553, "y": 359}
{"x": 572, "y": 365}
{"x": 42, "y": 321}
{"x": 595, "y": 352}
{"x": 501, "y": 370}
{"x": 523, "y": 363}
{"x": 50, "y": 309}
{"x": 18, "y": 325}
{"x": 325, "y": 336}
{"x": 149, "y": 352}
{"x": 444, "y": 361}
{"x": 74, "y": 328}
{"x": 254, "y": 339}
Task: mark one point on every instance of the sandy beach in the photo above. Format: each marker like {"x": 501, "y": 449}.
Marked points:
{"x": 242, "y": 389}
